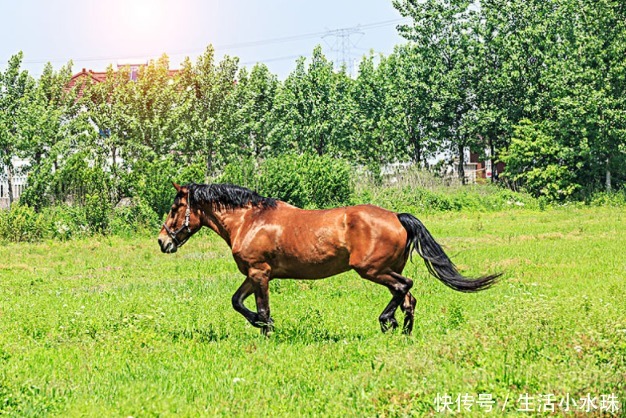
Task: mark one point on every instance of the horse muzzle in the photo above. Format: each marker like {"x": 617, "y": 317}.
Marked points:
{"x": 167, "y": 245}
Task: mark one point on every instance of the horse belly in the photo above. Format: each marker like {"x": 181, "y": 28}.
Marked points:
{"x": 318, "y": 268}
{"x": 315, "y": 258}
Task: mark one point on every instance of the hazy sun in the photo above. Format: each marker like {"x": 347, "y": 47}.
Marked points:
{"x": 145, "y": 16}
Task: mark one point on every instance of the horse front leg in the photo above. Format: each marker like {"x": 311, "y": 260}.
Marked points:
{"x": 245, "y": 290}
{"x": 262, "y": 294}
{"x": 257, "y": 282}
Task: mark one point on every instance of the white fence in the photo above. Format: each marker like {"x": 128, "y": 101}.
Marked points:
{"x": 19, "y": 183}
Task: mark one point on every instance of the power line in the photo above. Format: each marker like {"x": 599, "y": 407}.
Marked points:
{"x": 288, "y": 57}
{"x": 247, "y": 44}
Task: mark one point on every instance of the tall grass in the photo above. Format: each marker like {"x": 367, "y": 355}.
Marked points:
{"x": 109, "y": 326}
{"x": 418, "y": 191}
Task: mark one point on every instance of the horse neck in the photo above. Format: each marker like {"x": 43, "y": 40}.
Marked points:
{"x": 226, "y": 223}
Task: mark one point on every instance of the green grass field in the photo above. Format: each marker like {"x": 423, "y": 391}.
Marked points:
{"x": 109, "y": 326}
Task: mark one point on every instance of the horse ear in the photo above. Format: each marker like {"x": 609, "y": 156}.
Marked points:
{"x": 176, "y": 186}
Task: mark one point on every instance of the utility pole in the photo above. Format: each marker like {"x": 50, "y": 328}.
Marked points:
{"x": 342, "y": 44}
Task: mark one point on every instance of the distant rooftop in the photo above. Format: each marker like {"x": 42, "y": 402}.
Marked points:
{"x": 100, "y": 76}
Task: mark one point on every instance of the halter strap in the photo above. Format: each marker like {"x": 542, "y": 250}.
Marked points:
{"x": 173, "y": 234}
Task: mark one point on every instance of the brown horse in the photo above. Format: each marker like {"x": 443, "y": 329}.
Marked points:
{"x": 271, "y": 239}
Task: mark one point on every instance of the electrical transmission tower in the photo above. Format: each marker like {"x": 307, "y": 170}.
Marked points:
{"x": 343, "y": 45}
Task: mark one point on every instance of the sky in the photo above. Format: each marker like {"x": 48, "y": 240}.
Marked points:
{"x": 94, "y": 34}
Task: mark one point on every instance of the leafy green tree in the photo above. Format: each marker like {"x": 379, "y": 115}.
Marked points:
{"x": 566, "y": 60}
{"x": 55, "y": 127}
{"x": 441, "y": 34}
{"x": 251, "y": 120}
{"x": 313, "y": 111}
{"x": 205, "y": 107}
{"x": 16, "y": 87}
{"x": 343, "y": 133}
{"x": 375, "y": 141}
{"x": 497, "y": 96}
{"x": 108, "y": 104}
{"x": 590, "y": 87}
{"x": 412, "y": 103}
{"x": 153, "y": 106}
{"x": 540, "y": 163}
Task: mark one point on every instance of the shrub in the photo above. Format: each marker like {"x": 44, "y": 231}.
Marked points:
{"x": 541, "y": 164}
{"x": 282, "y": 178}
{"x": 243, "y": 174}
{"x": 97, "y": 209}
{"x": 151, "y": 181}
{"x": 21, "y": 223}
{"x": 327, "y": 181}
{"x": 302, "y": 180}
{"x": 402, "y": 196}
{"x": 136, "y": 217}
{"x": 66, "y": 221}
{"x": 617, "y": 199}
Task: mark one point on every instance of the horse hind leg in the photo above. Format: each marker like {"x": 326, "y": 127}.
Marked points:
{"x": 408, "y": 307}
{"x": 263, "y": 320}
{"x": 399, "y": 287}
{"x": 387, "y": 318}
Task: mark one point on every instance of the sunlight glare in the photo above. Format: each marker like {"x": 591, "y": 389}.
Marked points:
{"x": 145, "y": 16}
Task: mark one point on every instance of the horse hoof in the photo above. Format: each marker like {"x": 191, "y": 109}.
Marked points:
{"x": 387, "y": 324}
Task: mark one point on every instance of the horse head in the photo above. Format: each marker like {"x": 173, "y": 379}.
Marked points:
{"x": 181, "y": 223}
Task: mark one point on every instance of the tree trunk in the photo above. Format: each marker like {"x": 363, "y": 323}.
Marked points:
{"x": 37, "y": 158}
{"x": 417, "y": 149}
{"x": 461, "y": 164}
{"x": 113, "y": 157}
{"x": 320, "y": 146}
{"x": 115, "y": 192}
{"x": 9, "y": 168}
{"x": 607, "y": 179}
{"x": 209, "y": 163}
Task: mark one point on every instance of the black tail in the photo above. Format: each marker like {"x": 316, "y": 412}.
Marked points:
{"x": 436, "y": 260}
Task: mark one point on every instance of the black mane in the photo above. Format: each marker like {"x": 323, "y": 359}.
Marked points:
{"x": 228, "y": 196}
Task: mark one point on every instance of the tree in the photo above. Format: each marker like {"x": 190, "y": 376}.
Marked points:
{"x": 16, "y": 87}
{"x": 441, "y": 33}
{"x": 497, "y": 106}
{"x": 153, "y": 105}
{"x": 313, "y": 111}
{"x": 540, "y": 163}
{"x": 566, "y": 61}
{"x": 375, "y": 141}
{"x": 250, "y": 121}
{"x": 205, "y": 108}
{"x": 111, "y": 143}
{"x": 54, "y": 127}
{"x": 590, "y": 87}
{"x": 413, "y": 106}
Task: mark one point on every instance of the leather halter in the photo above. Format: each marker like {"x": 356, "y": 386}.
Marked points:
{"x": 173, "y": 234}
